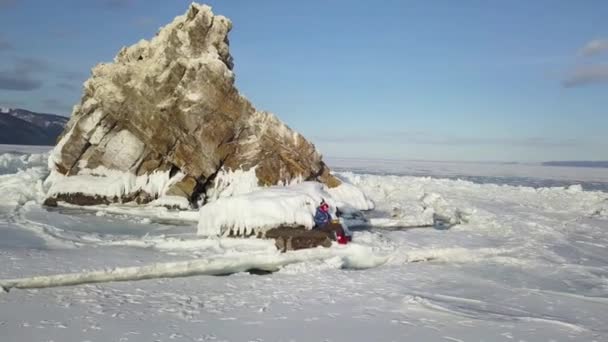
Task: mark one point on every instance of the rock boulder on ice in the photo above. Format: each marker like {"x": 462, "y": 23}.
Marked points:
{"x": 165, "y": 117}
{"x": 294, "y": 238}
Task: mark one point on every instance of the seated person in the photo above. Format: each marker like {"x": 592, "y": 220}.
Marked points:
{"x": 322, "y": 216}
{"x": 324, "y": 222}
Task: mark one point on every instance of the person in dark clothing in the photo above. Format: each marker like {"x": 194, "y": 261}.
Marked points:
{"x": 324, "y": 222}
{"x": 322, "y": 216}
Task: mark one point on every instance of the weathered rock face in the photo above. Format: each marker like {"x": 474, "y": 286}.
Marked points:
{"x": 169, "y": 105}
{"x": 291, "y": 239}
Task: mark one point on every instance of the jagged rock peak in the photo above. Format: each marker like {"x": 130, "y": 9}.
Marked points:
{"x": 198, "y": 33}
{"x": 165, "y": 118}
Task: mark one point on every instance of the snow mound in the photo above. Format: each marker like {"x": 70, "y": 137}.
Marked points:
{"x": 271, "y": 207}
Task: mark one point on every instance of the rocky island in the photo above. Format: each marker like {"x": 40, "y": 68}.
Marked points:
{"x": 165, "y": 119}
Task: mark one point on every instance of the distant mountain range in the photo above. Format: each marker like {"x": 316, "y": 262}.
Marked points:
{"x": 580, "y": 163}
{"x": 23, "y": 127}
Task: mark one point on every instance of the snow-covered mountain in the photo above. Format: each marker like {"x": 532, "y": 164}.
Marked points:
{"x": 24, "y": 127}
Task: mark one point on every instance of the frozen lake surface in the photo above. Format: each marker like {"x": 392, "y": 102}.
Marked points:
{"x": 525, "y": 261}
{"x": 516, "y": 174}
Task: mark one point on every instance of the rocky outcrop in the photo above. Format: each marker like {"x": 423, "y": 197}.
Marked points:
{"x": 169, "y": 105}
{"x": 289, "y": 238}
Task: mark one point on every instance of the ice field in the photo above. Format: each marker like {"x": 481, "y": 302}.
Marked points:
{"x": 505, "y": 256}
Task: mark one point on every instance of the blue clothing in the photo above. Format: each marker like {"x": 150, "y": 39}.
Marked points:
{"x": 322, "y": 218}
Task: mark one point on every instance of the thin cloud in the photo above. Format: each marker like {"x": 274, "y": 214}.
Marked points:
{"x": 594, "y": 47}
{"x": 10, "y": 80}
{"x": 21, "y": 77}
{"x": 71, "y": 80}
{"x": 587, "y": 75}
{"x": 31, "y": 65}
{"x": 67, "y": 86}
{"x": 72, "y": 76}
{"x": 56, "y": 105}
{"x": 407, "y": 138}
{"x": 28, "y": 73}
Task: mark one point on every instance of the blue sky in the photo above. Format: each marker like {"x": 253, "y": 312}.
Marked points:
{"x": 432, "y": 80}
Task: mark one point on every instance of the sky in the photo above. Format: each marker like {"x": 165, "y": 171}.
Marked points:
{"x": 424, "y": 80}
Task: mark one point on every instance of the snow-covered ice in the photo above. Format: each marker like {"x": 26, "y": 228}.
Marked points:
{"x": 519, "y": 174}
{"x": 518, "y": 263}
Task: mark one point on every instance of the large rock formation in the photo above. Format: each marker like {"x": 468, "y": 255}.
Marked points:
{"x": 165, "y": 117}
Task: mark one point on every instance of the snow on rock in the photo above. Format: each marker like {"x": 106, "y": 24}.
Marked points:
{"x": 107, "y": 183}
{"x": 170, "y": 104}
{"x": 265, "y": 208}
{"x": 237, "y": 182}
{"x": 230, "y": 183}
{"x": 262, "y": 209}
